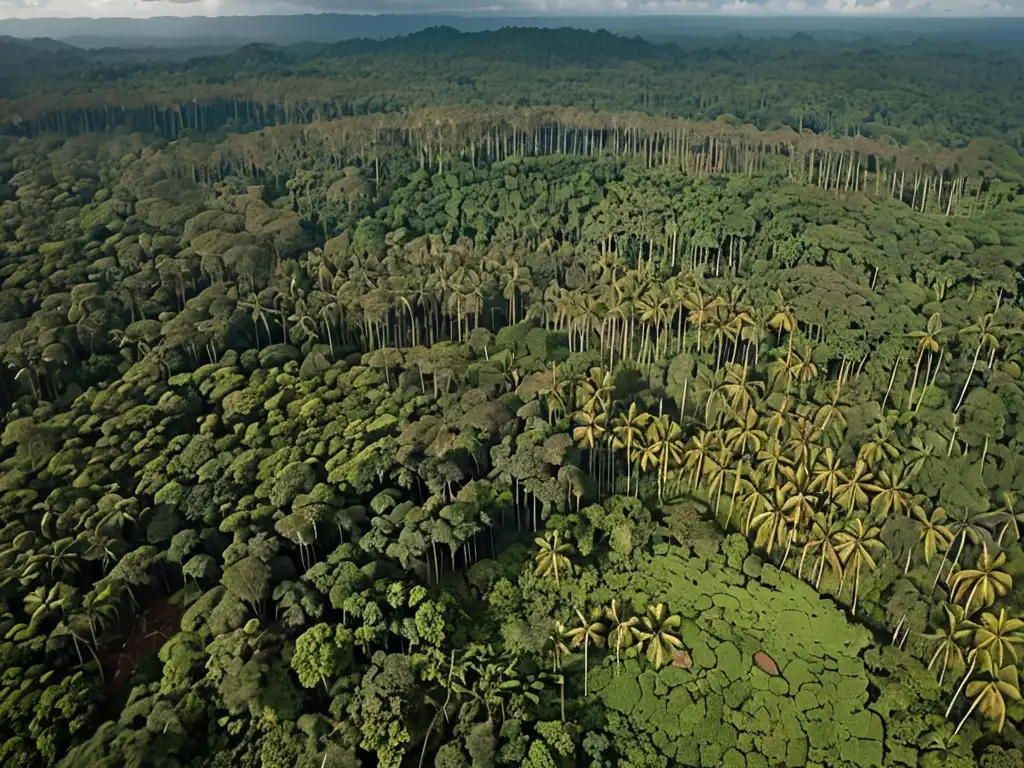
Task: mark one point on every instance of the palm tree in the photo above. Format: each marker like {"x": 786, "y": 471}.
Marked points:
{"x": 919, "y": 454}
{"x": 660, "y": 634}
{"x": 772, "y": 524}
{"x": 781, "y": 411}
{"x": 950, "y": 639}
{"x": 964, "y": 524}
{"x": 627, "y": 429}
{"x": 1007, "y": 515}
{"x": 508, "y": 367}
{"x": 595, "y": 391}
{"x": 407, "y": 302}
{"x": 516, "y": 281}
{"x": 590, "y": 631}
{"x": 721, "y": 334}
{"x": 118, "y": 515}
{"x": 61, "y": 560}
{"x": 941, "y": 743}
{"x": 745, "y": 440}
{"x": 772, "y": 459}
{"x": 803, "y": 367}
{"x": 830, "y": 413}
{"x": 827, "y": 473}
{"x": 855, "y": 546}
{"x": 853, "y": 494}
{"x": 589, "y": 433}
{"x": 622, "y": 629}
{"x": 987, "y": 331}
{"x": 893, "y": 495}
{"x": 800, "y": 501}
{"x": 99, "y": 612}
{"x": 822, "y": 537}
{"x": 703, "y": 449}
{"x": 804, "y": 439}
{"x": 712, "y": 383}
{"x": 985, "y": 581}
{"x": 666, "y": 440}
{"x": 559, "y": 650}
{"x": 783, "y": 321}
{"x": 881, "y": 447}
{"x": 934, "y": 533}
{"x": 927, "y": 343}
{"x": 718, "y": 470}
{"x": 485, "y": 679}
{"x": 753, "y": 333}
{"x": 758, "y": 496}
{"x": 41, "y": 603}
{"x": 739, "y": 390}
{"x": 701, "y": 309}
{"x": 553, "y": 555}
{"x": 554, "y": 396}
{"x": 654, "y": 314}
{"x": 621, "y": 313}
{"x": 989, "y": 696}
{"x": 259, "y": 314}
{"x": 778, "y": 368}
{"x": 302, "y": 320}
{"x": 999, "y": 636}
{"x": 647, "y": 453}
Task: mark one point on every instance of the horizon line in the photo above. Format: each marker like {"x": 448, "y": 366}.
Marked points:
{"x": 633, "y": 14}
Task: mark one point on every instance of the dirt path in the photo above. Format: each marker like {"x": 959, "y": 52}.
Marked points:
{"x": 158, "y": 624}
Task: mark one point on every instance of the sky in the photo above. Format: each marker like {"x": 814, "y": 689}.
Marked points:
{"x": 148, "y": 8}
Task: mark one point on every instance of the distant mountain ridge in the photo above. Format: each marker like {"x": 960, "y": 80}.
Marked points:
{"x": 529, "y": 44}
{"x": 46, "y": 44}
{"x": 20, "y": 54}
{"x": 330, "y": 28}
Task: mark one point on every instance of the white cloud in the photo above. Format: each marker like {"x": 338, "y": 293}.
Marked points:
{"x": 104, "y": 9}
{"x": 150, "y": 8}
{"x": 784, "y": 7}
{"x": 960, "y": 8}
{"x": 856, "y": 7}
{"x": 740, "y": 8}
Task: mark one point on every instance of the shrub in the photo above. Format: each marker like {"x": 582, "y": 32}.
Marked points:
{"x": 622, "y": 694}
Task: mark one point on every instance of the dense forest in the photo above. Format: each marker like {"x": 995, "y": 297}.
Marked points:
{"x": 617, "y": 405}
{"x": 934, "y": 91}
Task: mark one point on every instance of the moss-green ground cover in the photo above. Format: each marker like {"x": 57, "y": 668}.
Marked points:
{"x": 725, "y": 711}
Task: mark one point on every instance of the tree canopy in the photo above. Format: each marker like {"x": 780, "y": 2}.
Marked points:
{"x": 506, "y": 430}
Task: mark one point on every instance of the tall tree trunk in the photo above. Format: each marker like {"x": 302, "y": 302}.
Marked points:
{"x": 974, "y": 364}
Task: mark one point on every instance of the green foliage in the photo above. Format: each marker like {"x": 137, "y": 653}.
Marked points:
{"x": 517, "y": 440}
{"x": 791, "y": 716}
{"x": 321, "y": 651}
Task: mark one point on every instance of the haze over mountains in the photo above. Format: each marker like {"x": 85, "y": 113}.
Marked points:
{"x": 233, "y": 30}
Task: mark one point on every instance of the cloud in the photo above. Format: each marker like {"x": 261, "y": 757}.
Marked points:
{"x": 858, "y": 7}
{"x": 632, "y": 7}
{"x": 962, "y": 8}
{"x": 840, "y": 8}
{"x": 33, "y": 9}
